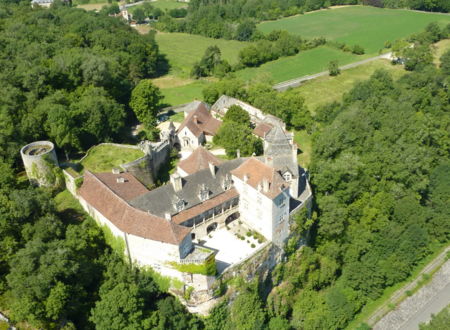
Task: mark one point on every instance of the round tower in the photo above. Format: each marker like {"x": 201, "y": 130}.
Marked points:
{"x": 40, "y": 161}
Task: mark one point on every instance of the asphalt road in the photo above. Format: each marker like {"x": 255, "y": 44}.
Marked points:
{"x": 282, "y": 86}
{"x": 434, "y": 306}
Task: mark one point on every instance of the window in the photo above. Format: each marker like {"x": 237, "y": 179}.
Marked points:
{"x": 287, "y": 176}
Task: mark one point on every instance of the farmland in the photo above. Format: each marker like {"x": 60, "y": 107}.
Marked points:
{"x": 369, "y": 27}
{"x": 183, "y": 50}
{"x": 304, "y": 63}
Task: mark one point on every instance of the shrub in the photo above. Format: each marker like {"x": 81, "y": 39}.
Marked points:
{"x": 249, "y": 233}
{"x": 333, "y": 68}
{"x": 358, "y": 50}
{"x": 253, "y": 245}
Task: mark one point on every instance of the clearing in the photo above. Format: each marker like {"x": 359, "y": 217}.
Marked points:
{"x": 367, "y": 26}
{"x": 440, "y": 48}
{"x": 184, "y": 94}
{"x": 183, "y": 50}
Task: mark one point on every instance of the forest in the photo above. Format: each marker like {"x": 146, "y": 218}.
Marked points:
{"x": 380, "y": 174}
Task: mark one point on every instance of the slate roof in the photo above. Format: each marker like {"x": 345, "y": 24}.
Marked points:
{"x": 200, "y": 121}
{"x": 161, "y": 200}
{"x": 279, "y": 148}
{"x": 198, "y": 160}
{"x": 256, "y": 172}
{"x": 127, "y": 218}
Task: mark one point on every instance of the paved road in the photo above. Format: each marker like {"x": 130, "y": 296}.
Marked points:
{"x": 434, "y": 306}
{"x": 384, "y": 309}
{"x": 430, "y": 299}
{"x": 282, "y": 86}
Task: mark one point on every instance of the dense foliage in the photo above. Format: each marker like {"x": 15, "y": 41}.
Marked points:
{"x": 381, "y": 178}
{"x": 67, "y": 75}
{"x": 426, "y": 5}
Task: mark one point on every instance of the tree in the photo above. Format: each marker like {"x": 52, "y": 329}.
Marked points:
{"x": 358, "y": 50}
{"x": 245, "y": 30}
{"x": 145, "y": 100}
{"x": 233, "y": 136}
{"x": 333, "y": 68}
{"x": 445, "y": 63}
{"x": 139, "y": 15}
{"x": 237, "y": 115}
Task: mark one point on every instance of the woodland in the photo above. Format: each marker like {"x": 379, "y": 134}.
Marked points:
{"x": 380, "y": 174}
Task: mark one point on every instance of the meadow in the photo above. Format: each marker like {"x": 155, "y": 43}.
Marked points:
{"x": 304, "y": 63}
{"x": 367, "y": 26}
{"x": 183, "y": 50}
{"x": 327, "y": 89}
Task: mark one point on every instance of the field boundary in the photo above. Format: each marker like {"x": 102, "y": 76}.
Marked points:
{"x": 284, "y": 85}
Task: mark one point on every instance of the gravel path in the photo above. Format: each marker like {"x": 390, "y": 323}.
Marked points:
{"x": 282, "y": 86}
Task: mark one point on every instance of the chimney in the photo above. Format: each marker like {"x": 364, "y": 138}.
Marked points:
{"x": 120, "y": 180}
{"x": 238, "y": 153}
{"x": 116, "y": 170}
{"x": 269, "y": 161}
{"x": 212, "y": 168}
{"x": 265, "y": 184}
{"x": 294, "y": 152}
{"x": 177, "y": 184}
{"x": 167, "y": 216}
{"x": 195, "y": 118}
{"x": 246, "y": 177}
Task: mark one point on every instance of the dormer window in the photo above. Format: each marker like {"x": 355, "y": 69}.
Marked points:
{"x": 179, "y": 204}
{"x": 287, "y": 176}
{"x": 203, "y": 194}
{"x": 227, "y": 182}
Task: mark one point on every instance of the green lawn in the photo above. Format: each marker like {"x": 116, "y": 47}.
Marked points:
{"x": 184, "y": 94}
{"x": 367, "y": 26}
{"x": 305, "y": 63}
{"x": 327, "y": 89}
{"x": 440, "y": 48}
{"x": 183, "y": 50}
{"x": 304, "y": 143}
{"x": 168, "y": 4}
{"x": 103, "y": 158}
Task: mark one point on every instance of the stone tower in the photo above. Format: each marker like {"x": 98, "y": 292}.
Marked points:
{"x": 41, "y": 163}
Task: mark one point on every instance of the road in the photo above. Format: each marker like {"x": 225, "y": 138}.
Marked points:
{"x": 282, "y": 86}
{"x": 429, "y": 299}
{"x": 434, "y": 306}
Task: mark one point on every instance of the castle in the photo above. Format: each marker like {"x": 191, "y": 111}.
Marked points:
{"x": 192, "y": 227}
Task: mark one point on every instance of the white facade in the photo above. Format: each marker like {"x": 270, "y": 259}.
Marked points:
{"x": 188, "y": 141}
{"x": 269, "y": 217}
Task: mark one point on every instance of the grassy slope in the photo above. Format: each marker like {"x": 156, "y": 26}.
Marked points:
{"x": 184, "y": 94}
{"x": 440, "y": 48}
{"x": 305, "y": 63}
{"x": 168, "y": 4}
{"x": 369, "y": 27}
{"x": 104, "y": 158}
{"x": 327, "y": 89}
{"x": 183, "y": 50}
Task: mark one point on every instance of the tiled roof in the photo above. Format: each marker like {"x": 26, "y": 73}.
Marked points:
{"x": 205, "y": 206}
{"x": 198, "y": 160}
{"x": 201, "y": 121}
{"x": 262, "y": 129}
{"x": 127, "y": 218}
{"x": 129, "y": 189}
{"x": 256, "y": 172}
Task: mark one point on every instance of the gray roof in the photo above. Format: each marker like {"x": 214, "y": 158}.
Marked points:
{"x": 42, "y": 1}
{"x": 161, "y": 200}
{"x": 278, "y": 146}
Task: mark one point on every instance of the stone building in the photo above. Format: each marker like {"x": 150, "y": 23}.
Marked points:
{"x": 198, "y": 127}
{"x": 40, "y": 162}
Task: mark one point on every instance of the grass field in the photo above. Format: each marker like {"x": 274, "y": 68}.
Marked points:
{"x": 168, "y": 4}
{"x": 327, "y": 89}
{"x": 183, "y": 94}
{"x": 104, "y": 158}
{"x": 183, "y": 50}
{"x": 367, "y": 26}
{"x": 304, "y": 142}
{"x": 304, "y": 63}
